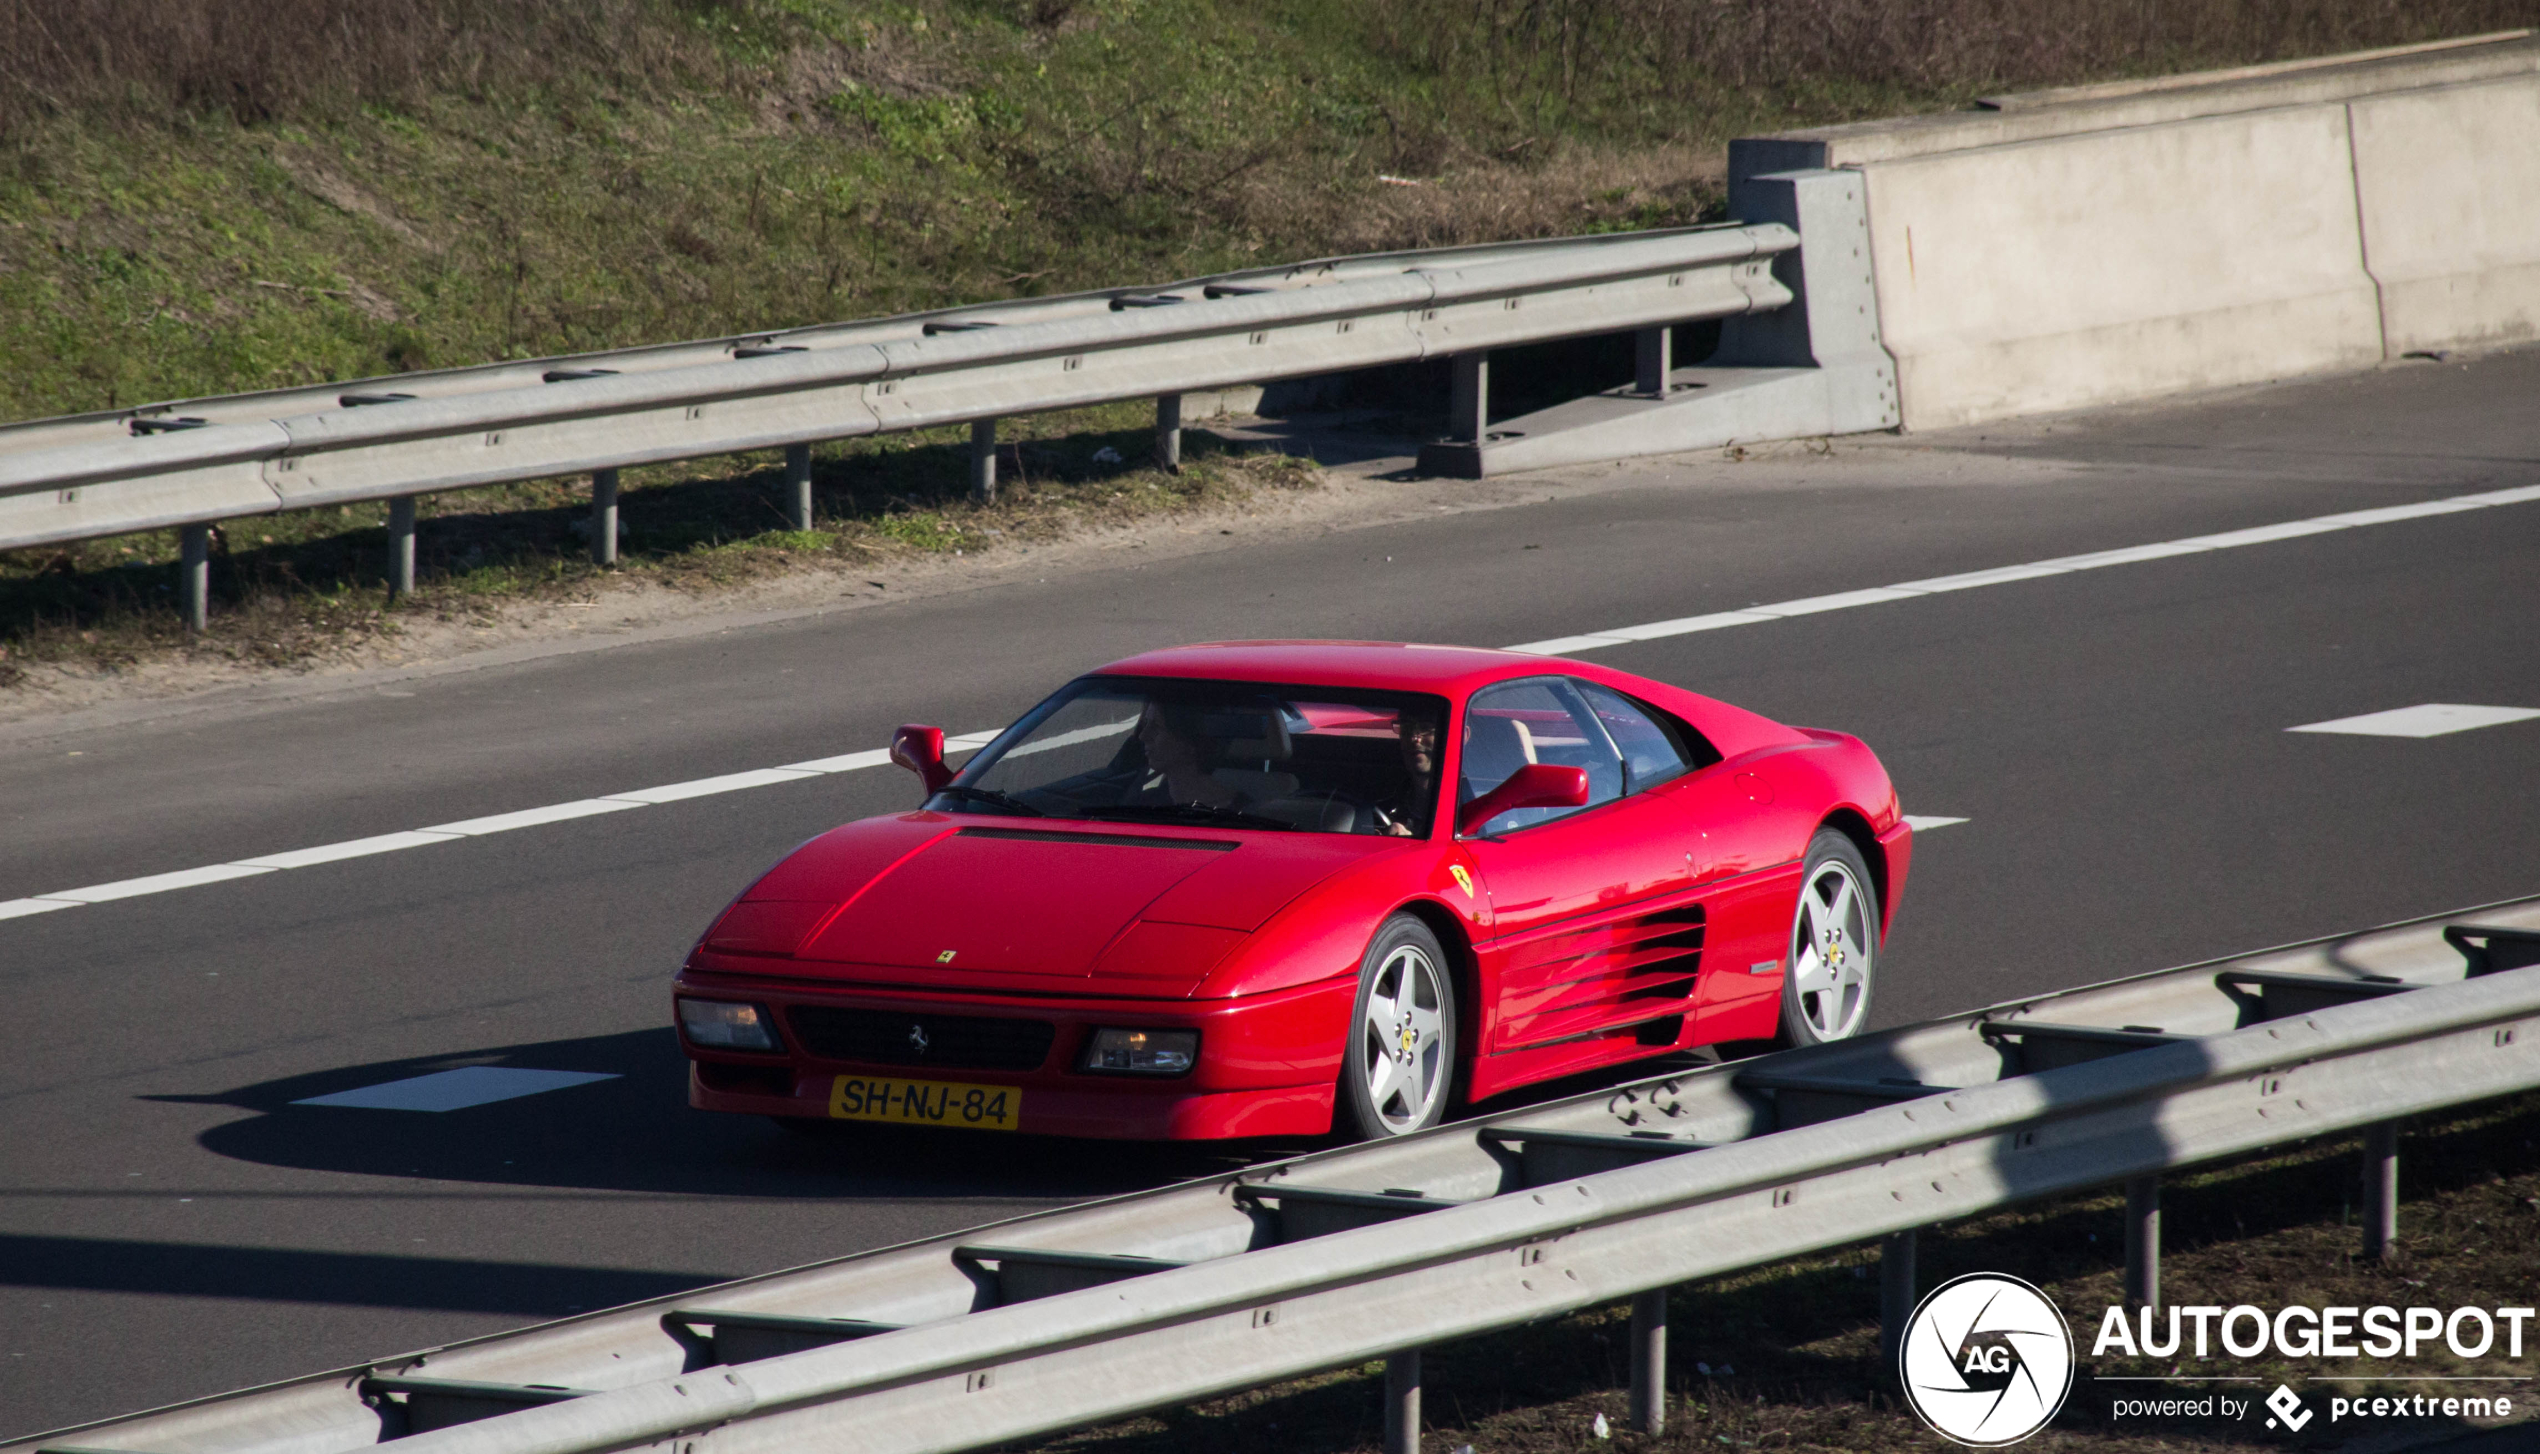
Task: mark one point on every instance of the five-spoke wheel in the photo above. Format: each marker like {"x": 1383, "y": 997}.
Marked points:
{"x": 1400, "y": 1065}
{"x": 1834, "y": 941}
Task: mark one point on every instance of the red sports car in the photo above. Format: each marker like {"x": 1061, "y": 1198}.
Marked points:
{"x": 1288, "y": 887}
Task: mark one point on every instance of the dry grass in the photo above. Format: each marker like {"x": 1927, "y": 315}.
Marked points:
{"x": 266, "y": 60}
{"x": 1547, "y": 54}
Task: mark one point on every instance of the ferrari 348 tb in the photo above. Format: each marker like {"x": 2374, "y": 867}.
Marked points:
{"x": 1282, "y": 888}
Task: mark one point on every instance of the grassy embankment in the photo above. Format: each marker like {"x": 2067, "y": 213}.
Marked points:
{"x": 202, "y": 196}
{"x": 1786, "y": 1357}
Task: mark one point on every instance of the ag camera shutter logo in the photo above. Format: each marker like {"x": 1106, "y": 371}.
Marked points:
{"x": 1987, "y": 1360}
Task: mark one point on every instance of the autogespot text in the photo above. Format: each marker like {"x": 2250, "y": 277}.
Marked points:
{"x": 2304, "y": 1332}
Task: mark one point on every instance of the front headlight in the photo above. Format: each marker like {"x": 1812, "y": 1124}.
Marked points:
{"x": 724, "y": 1025}
{"x": 1141, "y": 1052}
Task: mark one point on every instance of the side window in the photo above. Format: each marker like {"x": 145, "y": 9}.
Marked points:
{"x": 1654, "y": 746}
{"x": 1542, "y": 720}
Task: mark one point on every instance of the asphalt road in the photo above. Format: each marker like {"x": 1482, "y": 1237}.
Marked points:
{"x": 172, "y": 1226}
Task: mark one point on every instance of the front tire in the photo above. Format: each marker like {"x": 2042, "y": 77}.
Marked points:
{"x": 1398, "y": 1067}
{"x": 1834, "y": 945}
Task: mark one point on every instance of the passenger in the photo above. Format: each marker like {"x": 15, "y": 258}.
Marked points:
{"x": 1171, "y": 740}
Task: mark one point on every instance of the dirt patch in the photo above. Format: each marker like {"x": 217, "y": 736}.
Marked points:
{"x": 323, "y": 182}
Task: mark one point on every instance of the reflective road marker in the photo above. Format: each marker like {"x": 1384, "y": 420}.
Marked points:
{"x": 455, "y": 1090}
{"x": 2433, "y": 719}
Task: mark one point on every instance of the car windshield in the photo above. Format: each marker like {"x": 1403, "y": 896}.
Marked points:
{"x": 1245, "y": 754}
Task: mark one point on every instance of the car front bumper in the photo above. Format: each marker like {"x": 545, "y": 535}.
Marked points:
{"x": 1267, "y": 1063}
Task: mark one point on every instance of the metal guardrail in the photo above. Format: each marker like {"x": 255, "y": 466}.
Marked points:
{"x": 197, "y": 461}
{"x": 1075, "y": 1316}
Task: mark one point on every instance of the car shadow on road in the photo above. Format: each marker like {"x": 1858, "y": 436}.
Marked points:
{"x": 635, "y": 1132}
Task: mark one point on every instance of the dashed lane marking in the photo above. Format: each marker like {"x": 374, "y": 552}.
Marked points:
{"x": 1921, "y": 824}
{"x": 1557, "y": 646}
{"x": 455, "y": 1090}
{"x": 2431, "y": 719}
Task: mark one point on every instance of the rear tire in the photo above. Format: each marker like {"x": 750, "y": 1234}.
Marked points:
{"x": 1834, "y": 945}
{"x": 1398, "y": 1065}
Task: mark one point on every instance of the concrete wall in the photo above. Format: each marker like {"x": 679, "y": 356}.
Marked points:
{"x": 2116, "y": 265}
{"x": 2448, "y": 183}
{"x": 2076, "y": 253}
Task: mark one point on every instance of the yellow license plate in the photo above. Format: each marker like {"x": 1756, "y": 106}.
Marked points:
{"x": 925, "y": 1102}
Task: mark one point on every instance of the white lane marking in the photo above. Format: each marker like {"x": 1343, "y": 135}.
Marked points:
{"x": 455, "y": 1090}
{"x": 1922, "y": 824}
{"x": 349, "y": 848}
{"x": 2001, "y": 575}
{"x": 2432, "y": 719}
{"x": 850, "y": 762}
{"x": 706, "y": 787}
{"x": 1839, "y": 601}
{"x": 1077, "y": 738}
{"x": 1556, "y": 646}
{"x": 532, "y": 817}
{"x": 158, "y": 883}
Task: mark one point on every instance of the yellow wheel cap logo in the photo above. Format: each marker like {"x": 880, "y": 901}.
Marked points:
{"x": 1463, "y": 880}
{"x": 947, "y": 956}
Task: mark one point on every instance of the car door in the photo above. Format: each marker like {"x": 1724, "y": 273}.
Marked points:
{"x": 1744, "y": 878}
{"x": 1593, "y": 927}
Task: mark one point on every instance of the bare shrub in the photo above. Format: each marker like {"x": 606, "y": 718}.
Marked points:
{"x": 1540, "y": 53}
{"x": 261, "y": 59}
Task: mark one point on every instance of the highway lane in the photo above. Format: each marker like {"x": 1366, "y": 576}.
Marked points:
{"x": 171, "y": 1225}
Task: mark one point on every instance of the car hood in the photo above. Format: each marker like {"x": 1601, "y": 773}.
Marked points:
{"x": 936, "y": 898}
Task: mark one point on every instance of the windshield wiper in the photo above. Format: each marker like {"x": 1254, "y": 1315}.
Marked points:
{"x": 1207, "y": 812}
{"x": 991, "y": 795}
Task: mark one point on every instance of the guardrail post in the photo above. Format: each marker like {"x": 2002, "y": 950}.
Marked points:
{"x": 1896, "y": 1295}
{"x": 983, "y": 461}
{"x": 2381, "y": 1191}
{"x": 798, "y": 485}
{"x": 603, "y": 517}
{"x": 194, "y": 577}
{"x": 2143, "y": 1242}
{"x": 1402, "y": 1402}
{"x": 401, "y": 547}
{"x": 1656, "y": 348}
{"x": 1468, "y": 412}
{"x": 1649, "y": 1361}
{"x": 1168, "y": 432}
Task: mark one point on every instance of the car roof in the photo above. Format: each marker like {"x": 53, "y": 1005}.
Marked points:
{"x": 1398, "y": 665}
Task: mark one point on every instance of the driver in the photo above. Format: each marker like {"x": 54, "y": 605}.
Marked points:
{"x": 1172, "y": 745}
{"x": 1399, "y": 814}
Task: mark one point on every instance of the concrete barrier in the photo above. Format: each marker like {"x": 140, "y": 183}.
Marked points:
{"x": 2112, "y": 243}
{"x": 2447, "y": 182}
{"x": 2116, "y": 265}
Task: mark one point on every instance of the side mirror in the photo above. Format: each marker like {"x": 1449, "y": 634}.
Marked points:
{"x": 921, "y": 751}
{"x": 1536, "y": 785}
